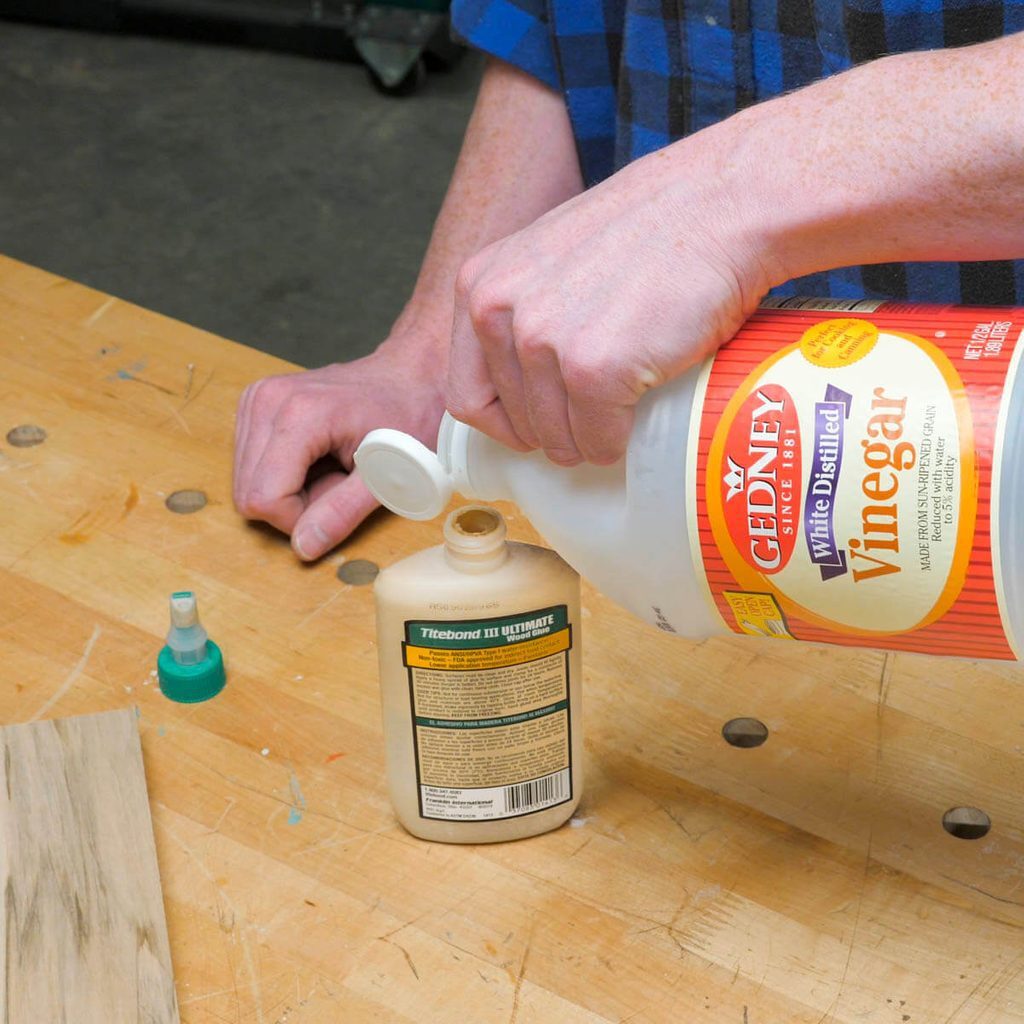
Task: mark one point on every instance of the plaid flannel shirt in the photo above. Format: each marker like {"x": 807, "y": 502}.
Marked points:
{"x": 639, "y": 74}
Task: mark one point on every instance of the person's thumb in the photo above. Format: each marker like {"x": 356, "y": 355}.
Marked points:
{"x": 331, "y": 516}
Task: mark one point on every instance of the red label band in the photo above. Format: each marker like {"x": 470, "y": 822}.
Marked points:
{"x": 844, "y": 476}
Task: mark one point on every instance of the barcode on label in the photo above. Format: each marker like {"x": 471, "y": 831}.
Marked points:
{"x": 528, "y": 796}
{"x": 824, "y": 305}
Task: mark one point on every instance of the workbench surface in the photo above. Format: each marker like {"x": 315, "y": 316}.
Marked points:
{"x": 806, "y": 880}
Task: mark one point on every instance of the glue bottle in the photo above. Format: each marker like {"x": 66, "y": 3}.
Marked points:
{"x": 480, "y": 683}
{"x": 843, "y": 472}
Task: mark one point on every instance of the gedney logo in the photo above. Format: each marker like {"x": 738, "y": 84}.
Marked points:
{"x": 761, "y": 487}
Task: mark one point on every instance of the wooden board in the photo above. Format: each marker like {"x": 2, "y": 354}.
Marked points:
{"x": 82, "y": 930}
{"x": 807, "y": 881}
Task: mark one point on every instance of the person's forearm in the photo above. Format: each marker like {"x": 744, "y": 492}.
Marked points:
{"x": 561, "y": 329}
{"x": 518, "y": 161}
{"x": 914, "y": 157}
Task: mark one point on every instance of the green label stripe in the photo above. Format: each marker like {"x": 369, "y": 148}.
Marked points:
{"x": 491, "y": 723}
{"x": 462, "y": 634}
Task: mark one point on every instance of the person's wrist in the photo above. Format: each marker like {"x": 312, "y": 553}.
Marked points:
{"x": 812, "y": 202}
{"x": 775, "y": 213}
{"x": 727, "y": 204}
{"x": 421, "y": 347}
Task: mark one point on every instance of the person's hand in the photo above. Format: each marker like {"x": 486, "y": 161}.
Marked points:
{"x": 562, "y": 327}
{"x": 286, "y": 424}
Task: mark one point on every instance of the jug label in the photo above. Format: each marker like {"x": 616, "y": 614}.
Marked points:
{"x": 844, "y": 477}
{"x": 490, "y": 714}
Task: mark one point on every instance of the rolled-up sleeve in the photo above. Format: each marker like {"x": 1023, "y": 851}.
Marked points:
{"x": 515, "y": 31}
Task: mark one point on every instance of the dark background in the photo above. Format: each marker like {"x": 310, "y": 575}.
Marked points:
{"x": 278, "y": 200}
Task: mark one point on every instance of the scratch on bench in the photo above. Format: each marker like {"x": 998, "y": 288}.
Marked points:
{"x": 71, "y": 677}
{"x": 101, "y": 311}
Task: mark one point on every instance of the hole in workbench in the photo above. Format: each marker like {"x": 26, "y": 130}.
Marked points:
{"x": 27, "y": 435}
{"x": 966, "y": 822}
{"x": 744, "y": 732}
{"x": 186, "y": 502}
{"x": 358, "y": 572}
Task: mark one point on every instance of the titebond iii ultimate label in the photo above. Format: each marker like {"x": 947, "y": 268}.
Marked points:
{"x": 490, "y": 714}
{"x": 843, "y": 481}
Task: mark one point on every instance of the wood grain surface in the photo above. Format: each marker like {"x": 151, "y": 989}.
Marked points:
{"x": 806, "y": 881}
{"x": 82, "y": 930}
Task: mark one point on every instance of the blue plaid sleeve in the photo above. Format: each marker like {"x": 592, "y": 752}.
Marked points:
{"x": 515, "y": 31}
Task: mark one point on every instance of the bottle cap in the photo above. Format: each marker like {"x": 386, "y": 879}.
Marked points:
{"x": 403, "y": 474}
{"x": 190, "y": 666}
{"x": 184, "y": 610}
{"x": 191, "y": 684}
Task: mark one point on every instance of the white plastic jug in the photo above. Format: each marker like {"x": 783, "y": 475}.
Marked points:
{"x": 839, "y": 472}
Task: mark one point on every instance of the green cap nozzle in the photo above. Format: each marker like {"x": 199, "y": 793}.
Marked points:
{"x": 190, "y": 666}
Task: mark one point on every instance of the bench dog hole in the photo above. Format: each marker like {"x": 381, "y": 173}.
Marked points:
{"x": 186, "y": 502}
{"x": 966, "y": 822}
{"x": 25, "y": 436}
{"x": 358, "y": 572}
{"x": 744, "y": 732}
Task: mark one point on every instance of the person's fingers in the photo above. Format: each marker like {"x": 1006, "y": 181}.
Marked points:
{"x": 493, "y": 421}
{"x": 323, "y": 483}
{"x": 495, "y": 340}
{"x": 242, "y": 419}
{"x": 472, "y": 396}
{"x": 604, "y": 382}
{"x": 276, "y": 493}
{"x": 339, "y": 503}
{"x": 601, "y": 430}
{"x": 548, "y": 406}
{"x": 260, "y": 417}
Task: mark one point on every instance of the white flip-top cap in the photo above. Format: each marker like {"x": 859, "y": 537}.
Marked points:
{"x": 403, "y": 474}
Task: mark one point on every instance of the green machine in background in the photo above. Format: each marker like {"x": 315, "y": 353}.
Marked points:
{"x": 399, "y": 41}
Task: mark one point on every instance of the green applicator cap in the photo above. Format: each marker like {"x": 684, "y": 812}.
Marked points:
{"x": 190, "y": 667}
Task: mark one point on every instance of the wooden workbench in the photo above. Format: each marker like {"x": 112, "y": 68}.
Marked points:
{"x": 807, "y": 880}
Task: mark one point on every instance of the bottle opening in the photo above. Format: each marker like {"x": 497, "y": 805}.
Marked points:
{"x": 476, "y": 522}
{"x": 474, "y": 538}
